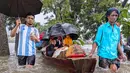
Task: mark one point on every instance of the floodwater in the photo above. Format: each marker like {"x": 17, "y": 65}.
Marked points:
{"x": 9, "y": 65}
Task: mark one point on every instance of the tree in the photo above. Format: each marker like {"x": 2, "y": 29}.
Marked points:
{"x": 4, "y": 48}
{"x": 88, "y": 15}
{"x": 125, "y": 21}
{"x": 38, "y": 26}
{"x": 124, "y": 3}
{"x": 61, "y": 10}
{"x": 92, "y": 15}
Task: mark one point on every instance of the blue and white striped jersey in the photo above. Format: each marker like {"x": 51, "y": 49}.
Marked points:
{"x": 26, "y": 46}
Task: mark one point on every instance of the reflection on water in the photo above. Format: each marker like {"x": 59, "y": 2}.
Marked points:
{"x": 9, "y": 65}
{"x": 125, "y": 68}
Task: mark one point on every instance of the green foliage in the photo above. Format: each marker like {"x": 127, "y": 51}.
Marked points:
{"x": 126, "y": 30}
{"x": 124, "y": 13}
{"x": 92, "y": 15}
{"x": 38, "y": 26}
{"x": 79, "y": 42}
{"x": 124, "y": 19}
{"x": 87, "y": 15}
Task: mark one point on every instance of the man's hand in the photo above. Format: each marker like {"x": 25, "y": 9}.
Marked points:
{"x": 18, "y": 21}
{"x": 90, "y": 55}
{"x": 122, "y": 57}
{"x": 32, "y": 37}
{"x": 14, "y": 30}
{"x": 93, "y": 50}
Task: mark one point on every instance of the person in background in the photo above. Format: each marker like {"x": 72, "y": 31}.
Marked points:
{"x": 50, "y": 49}
{"x": 28, "y": 36}
{"x": 127, "y": 48}
{"x": 108, "y": 40}
{"x": 128, "y": 41}
{"x": 59, "y": 43}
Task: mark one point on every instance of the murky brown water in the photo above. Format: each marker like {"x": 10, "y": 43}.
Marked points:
{"x": 9, "y": 65}
{"x": 125, "y": 68}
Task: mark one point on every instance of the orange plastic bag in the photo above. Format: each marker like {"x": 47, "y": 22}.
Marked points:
{"x": 67, "y": 41}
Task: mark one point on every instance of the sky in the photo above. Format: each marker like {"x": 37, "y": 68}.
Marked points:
{"x": 41, "y": 18}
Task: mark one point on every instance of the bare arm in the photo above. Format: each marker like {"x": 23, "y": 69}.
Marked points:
{"x": 119, "y": 49}
{"x": 13, "y": 32}
{"x": 121, "y": 53}
{"x": 94, "y": 46}
{"x": 97, "y": 40}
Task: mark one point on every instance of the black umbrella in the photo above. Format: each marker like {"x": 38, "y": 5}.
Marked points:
{"x": 64, "y": 29}
{"x": 70, "y": 30}
{"x": 56, "y": 30}
{"x": 19, "y": 8}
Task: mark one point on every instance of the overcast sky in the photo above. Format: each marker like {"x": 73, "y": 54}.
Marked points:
{"x": 40, "y": 17}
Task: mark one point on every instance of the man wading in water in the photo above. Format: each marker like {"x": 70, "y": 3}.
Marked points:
{"x": 28, "y": 35}
{"x": 108, "y": 40}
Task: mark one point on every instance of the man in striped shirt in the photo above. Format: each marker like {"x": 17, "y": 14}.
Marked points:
{"x": 28, "y": 35}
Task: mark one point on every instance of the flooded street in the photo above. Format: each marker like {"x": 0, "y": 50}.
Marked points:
{"x": 9, "y": 65}
{"x": 124, "y": 67}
